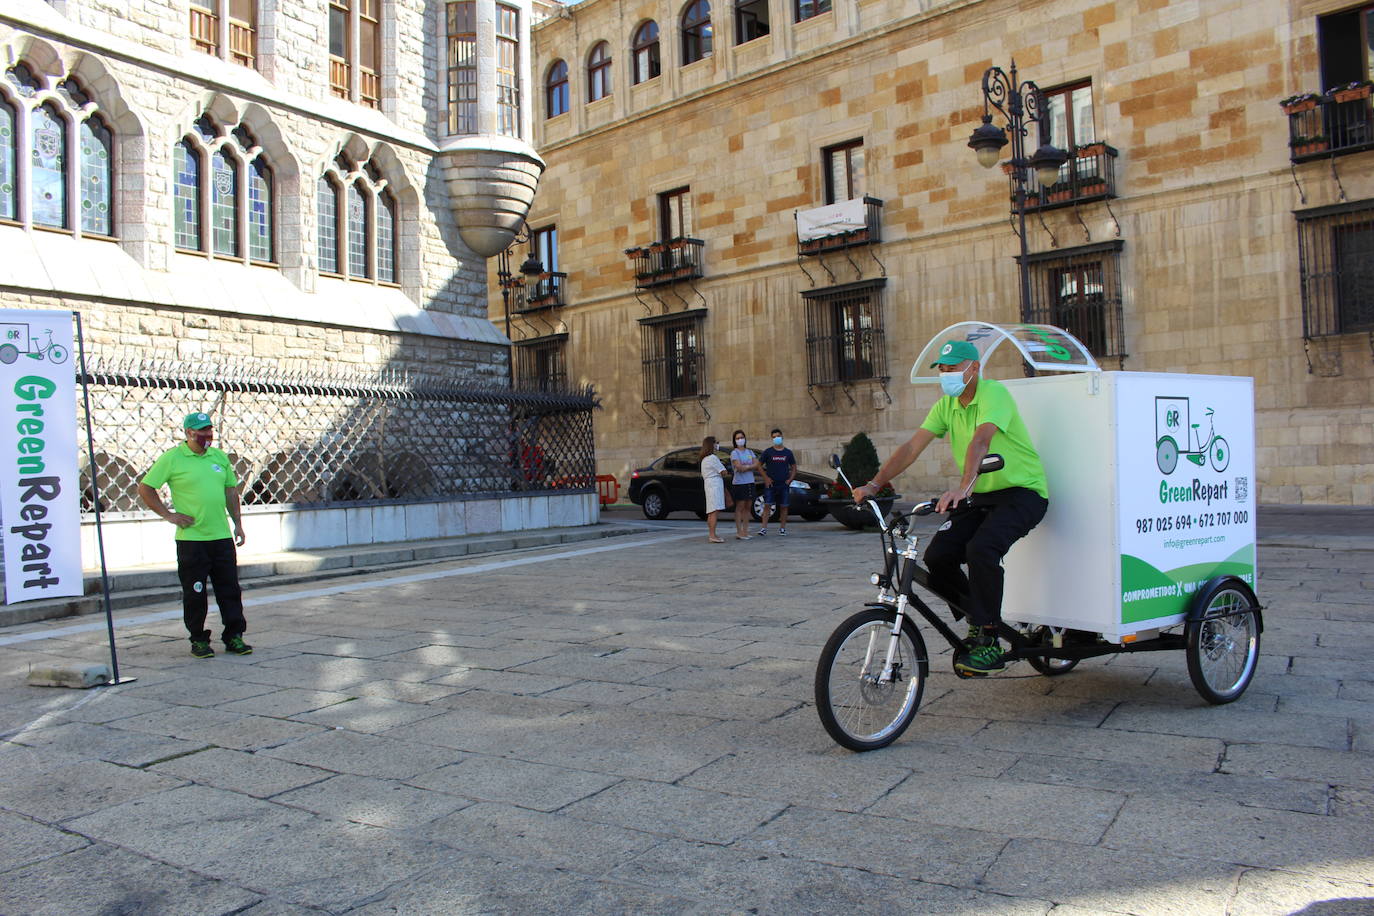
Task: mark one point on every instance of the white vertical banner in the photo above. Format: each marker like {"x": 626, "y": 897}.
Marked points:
{"x": 39, "y": 477}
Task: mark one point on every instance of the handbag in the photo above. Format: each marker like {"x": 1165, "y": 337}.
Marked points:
{"x": 729, "y": 497}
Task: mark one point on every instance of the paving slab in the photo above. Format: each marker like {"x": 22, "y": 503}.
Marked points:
{"x": 80, "y": 788}
{"x": 367, "y": 800}
{"x": 26, "y": 841}
{"x": 343, "y": 751}
{"x": 674, "y": 810}
{"x": 239, "y": 771}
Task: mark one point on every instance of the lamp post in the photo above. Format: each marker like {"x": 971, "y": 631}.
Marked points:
{"x": 1021, "y": 103}
{"x": 532, "y": 267}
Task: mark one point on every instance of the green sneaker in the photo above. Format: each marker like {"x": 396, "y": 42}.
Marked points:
{"x": 984, "y": 657}
{"x": 235, "y": 645}
{"x": 200, "y": 648}
{"x": 974, "y": 634}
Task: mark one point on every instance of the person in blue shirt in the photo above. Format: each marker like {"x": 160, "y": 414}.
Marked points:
{"x": 780, "y": 466}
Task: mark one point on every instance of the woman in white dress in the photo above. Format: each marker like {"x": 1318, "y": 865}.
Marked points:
{"x": 713, "y": 478}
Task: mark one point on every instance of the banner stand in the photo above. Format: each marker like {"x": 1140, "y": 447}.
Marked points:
{"x": 95, "y": 500}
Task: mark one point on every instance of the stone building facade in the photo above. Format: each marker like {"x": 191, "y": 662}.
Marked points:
{"x": 297, "y": 188}
{"x": 1194, "y": 229}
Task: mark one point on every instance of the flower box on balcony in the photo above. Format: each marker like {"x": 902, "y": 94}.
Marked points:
{"x": 1088, "y": 150}
{"x": 1092, "y": 188}
{"x": 1303, "y": 101}
{"x": 1060, "y": 195}
{"x": 1306, "y": 146}
{"x": 1351, "y": 93}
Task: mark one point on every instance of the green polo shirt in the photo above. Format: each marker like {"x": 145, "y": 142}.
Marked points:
{"x": 198, "y": 484}
{"x": 992, "y": 403}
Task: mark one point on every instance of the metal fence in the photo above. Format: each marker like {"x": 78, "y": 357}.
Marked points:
{"x": 309, "y": 440}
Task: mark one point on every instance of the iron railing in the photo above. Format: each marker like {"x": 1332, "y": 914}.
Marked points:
{"x": 668, "y": 261}
{"x": 1335, "y": 124}
{"x": 543, "y": 291}
{"x": 673, "y": 355}
{"x": 1336, "y": 268}
{"x": 297, "y": 439}
{"x": 1088, "y": 175}
{"x": 871, "y": 233}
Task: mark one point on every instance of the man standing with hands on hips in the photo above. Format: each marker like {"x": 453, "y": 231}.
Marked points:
{"x": 204, "y": 489}
{"x": 980, "y": 416}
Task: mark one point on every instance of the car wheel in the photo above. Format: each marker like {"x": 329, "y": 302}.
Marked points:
{"x": 756, "y": 509}
{"x": 655, "y": 505}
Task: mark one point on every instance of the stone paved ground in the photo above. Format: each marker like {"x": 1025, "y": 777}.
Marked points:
{"x": 632, "y": 731}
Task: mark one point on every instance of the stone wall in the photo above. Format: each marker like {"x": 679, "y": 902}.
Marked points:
{"x": 1186, "y": 91}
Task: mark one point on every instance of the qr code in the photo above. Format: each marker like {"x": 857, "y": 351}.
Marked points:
{"x": 1242, "y": 489}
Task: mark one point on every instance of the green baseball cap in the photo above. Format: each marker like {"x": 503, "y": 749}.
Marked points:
{"x": 197, "y": 421}
{"x": 955, "y": 352}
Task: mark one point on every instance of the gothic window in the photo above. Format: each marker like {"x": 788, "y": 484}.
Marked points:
{"x": 356, "y": 233}
{"x": 599, "y": 72}
{"x": 56, "y": 155}
{"x": 462, "y": 67}
{"x": 696, "y": 31}
{"x": 556, "y": 89}
{"x": 223, "y": 194}
{"x": 645, "y": 51}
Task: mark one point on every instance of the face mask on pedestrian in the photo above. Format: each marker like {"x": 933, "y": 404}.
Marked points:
{"x": 777, "y": 440}
{"x": 203, "y": 438}
{"x": 739, "y": 443}
{"x": 952, "y": 383}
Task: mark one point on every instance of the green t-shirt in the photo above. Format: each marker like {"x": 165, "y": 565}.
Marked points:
{"x": 992, "y": 403}
{"x": 198, "y": 484}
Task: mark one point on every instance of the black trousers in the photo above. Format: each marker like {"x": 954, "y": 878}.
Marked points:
{"x": 980, "y": 535}
{"x": 218, "y": 562}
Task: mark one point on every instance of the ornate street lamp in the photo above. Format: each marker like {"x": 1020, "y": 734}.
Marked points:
{"x": 1021, "y": 104}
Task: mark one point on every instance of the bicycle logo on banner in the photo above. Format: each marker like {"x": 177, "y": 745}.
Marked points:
{"x": 1176, "y": 434}
{"x": 15, "y": 339}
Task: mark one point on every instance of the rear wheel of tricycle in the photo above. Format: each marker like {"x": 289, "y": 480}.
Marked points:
{"x": 1050, "y": 667}
{"x": 1223, "y": 633}
{"x": 857, "y": 710}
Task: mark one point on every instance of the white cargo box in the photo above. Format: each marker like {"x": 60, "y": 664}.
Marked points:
{"x": 1151, "y": 480}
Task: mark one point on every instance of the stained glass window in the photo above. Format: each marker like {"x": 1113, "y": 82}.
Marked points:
{"x": 259, "y": 211}
{"x": 187, "y": 201}
{"x": 97, "y": 147}
{"x": 48, "y": 167}
{"x": 224, "y": 196}
{"x": 327, "y": 202}
{"x": 386, "y": 238}
{"x": 9, "y": 151}
{"x": 357, "y": 232}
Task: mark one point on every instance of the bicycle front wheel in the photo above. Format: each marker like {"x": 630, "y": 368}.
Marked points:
{"x": 858, "y": 708}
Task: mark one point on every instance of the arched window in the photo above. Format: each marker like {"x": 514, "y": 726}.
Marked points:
{"x": 97, "y": 198}
{"x": 356, "y": 233}
{"x": 327, "y": 207}
{"x": 696, "y": 31}
{"x": 9, "y": 168}
{"x": 214, "y": 167}
{"x": 645, "y": 50}
{"x": 599, "y": 72}
{"x": 53, "y": 127}
{"x": 556, "y": 89}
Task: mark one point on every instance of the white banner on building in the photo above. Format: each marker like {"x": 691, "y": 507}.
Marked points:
{"x": 835, "y": 219}
{"x": 39, "y": 478}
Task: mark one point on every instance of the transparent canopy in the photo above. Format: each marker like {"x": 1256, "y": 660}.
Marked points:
{"x": 1043, "y": 347}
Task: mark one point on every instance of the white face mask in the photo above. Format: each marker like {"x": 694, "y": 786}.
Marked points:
{"x": 952, "y": 383}
{"x": 739, "y": 443}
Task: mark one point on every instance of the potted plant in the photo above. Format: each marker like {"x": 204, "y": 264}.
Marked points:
{"x": 1351, "y": 92}
{"x": 1303, "y": 101}
{"x": 1091, "y": 187}
{"x": 859, "y": 461}
{"x": 1089, "y": 150}
{"x": 1060, "y": 193}
{"x": 1306, "y": 146}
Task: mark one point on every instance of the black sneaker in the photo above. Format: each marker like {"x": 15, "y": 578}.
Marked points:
{"x": 235, "y": 645}
{"x": 984, "y": 657}
{"x": 200, "y": 648}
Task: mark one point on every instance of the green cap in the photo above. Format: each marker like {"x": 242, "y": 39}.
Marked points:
{"x": 197, "y": 421}
{"x": 955, "y": 352}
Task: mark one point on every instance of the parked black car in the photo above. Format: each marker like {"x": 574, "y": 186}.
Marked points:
{"x": 673, "y": 484}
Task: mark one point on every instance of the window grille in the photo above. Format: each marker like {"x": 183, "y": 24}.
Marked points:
{"x": 462, "y": 67}
{"x": 507, "y": 71}
{"x": 674, "y": 356}
{"x": 1079, "y": 290}
{"x": 1336, "y": 268}
{"x": 844, "y": 333}
{"x": 541, "y": 363}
